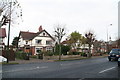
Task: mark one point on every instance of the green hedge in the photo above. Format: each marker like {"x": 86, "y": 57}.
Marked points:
{"x": 83, "y": 54}
{"x": 33, "y": 56}
{"x": 22, "y": 55}
{"x": 48, "y": 53}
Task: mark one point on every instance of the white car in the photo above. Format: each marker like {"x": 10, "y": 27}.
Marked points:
{"x": 3, "y": 59}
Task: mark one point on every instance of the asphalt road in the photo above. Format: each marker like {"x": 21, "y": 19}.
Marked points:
{"x": 87, "y": 68}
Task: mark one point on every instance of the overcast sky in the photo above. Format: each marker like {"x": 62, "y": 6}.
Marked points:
{"x": 77, "y": 15}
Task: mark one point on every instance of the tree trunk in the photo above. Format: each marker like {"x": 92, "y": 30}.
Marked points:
{"x": 60, "y": 52}
{"x": 89, "y": 52}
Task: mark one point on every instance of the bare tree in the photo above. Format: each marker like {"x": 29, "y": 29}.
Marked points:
{"x": 90, "y": 38}
{"x": 59, "y": 33}
{"x": 10, "y": 11}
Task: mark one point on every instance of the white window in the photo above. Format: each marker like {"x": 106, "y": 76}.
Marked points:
{"x": 49, "y": 49}
{"x": 48, "y": 42}
{"x": 38, "y": 41}
{"x": 1, "y": 40}
{"x": 26, "y": 42}
{"x": 38, "y": 50}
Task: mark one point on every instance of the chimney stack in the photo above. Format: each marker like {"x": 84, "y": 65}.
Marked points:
{"x": 40, "y": 28}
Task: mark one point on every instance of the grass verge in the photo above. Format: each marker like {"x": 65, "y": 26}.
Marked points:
{"x": 4, "y": 63}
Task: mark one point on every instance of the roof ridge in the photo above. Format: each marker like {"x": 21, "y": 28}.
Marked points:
{"x": 27, "y": 32}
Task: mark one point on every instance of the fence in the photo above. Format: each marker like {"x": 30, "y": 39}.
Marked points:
{"x": 10, "y": 54}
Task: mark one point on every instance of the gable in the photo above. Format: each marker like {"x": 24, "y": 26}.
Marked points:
{"x": 44, "y": 33}
{"x": 31, "y": 35}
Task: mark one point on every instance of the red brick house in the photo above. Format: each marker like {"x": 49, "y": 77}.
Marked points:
{"x": 2, "y": 38}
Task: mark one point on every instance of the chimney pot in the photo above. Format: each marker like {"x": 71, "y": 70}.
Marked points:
{"x": 40, "y": 28}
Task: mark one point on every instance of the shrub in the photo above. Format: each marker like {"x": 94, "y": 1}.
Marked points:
{"x": 33, "y": 56}
{"x": 18, "y": 54}
{"x": 48, "y": 53}
{"x": 64, "y": 49}
{"x": 83, "y": 54}
{"x": 76, "y": 53}
{"x": 21, "y": 55}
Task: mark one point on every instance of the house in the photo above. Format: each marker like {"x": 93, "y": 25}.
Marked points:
{"x": 33, "y": 42}
{"x": 78, "y": 46}
{"x": 2, "y": 38}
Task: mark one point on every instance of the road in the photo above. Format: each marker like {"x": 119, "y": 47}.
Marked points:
{"x": 87, "y": 68}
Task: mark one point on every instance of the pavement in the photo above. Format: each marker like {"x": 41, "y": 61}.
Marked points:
{"x": 35, "y": 60}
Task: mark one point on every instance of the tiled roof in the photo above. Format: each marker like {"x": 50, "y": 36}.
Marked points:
{"x": 31, "y": 35}
{"x": 28, "y": 35}
{"x": 2, "y": 32}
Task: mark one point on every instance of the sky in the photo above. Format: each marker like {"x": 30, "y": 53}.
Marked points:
{"x": 76, "y": 15}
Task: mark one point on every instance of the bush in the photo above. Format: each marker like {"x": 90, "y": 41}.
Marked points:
{"x": 33, "y": 56}
{"x": 48, "y": 53}
{"x": 76, "y": 53}
{"x": 64, "y": 49}
{"x": 22, "y": 55}
{"x": 83, "y": 54}
{"x": 18, "y": 54}
{"x": 70, "y": 53}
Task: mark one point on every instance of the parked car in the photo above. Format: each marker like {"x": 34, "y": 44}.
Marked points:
{"x": 119, "y": 62}
{"x": 114, "y": 54}
{"x": 3, "y": 59}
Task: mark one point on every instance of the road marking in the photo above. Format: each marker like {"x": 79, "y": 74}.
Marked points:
{"x": 26, "y": 69}
{"x": 68, "y": 64}
{"x": 107, "y": 70}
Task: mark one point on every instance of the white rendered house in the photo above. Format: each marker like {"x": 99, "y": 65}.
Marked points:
{"x": 32, "y": 42}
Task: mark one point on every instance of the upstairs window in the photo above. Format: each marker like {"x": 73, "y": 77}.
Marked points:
{"x": 48, "y": 42}
{"x": 38, "y": 41}
{"x": 1, "y": 40}
{"x": 26, "y": 42}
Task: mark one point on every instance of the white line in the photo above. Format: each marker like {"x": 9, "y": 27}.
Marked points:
{"x": 107, "y": 69}
{"x": 27, "y": 69}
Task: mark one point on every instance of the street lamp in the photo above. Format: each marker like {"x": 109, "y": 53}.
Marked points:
{"x": 107, "y": 39}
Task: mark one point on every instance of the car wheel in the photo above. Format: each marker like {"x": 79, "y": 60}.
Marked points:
{"x": 116, "y": 59}
{"x": 109, "y": 59}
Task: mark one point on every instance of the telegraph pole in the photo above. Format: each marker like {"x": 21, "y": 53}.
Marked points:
{"x": 8, "y": 45}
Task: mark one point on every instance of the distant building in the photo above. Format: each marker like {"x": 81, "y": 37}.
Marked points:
{"x": 2, "y": 38}
{"x": 32, "y": 42}
{"x": 78, "y": 46}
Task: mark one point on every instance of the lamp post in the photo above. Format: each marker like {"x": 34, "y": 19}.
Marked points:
{"x": 107, "y": 39}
